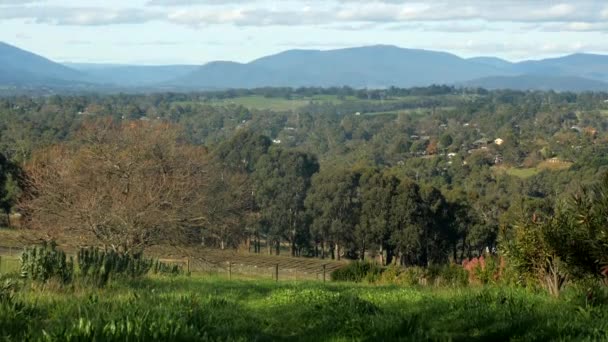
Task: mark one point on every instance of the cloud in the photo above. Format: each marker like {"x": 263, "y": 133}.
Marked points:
{"x": 18, "y": 2}
{"x": 340, "y": 14}
{"x": 23, "y": 36}
{"x": 571, "y": 27}
{"x": 169, "y": 3}
{"x": 80, "y": 16}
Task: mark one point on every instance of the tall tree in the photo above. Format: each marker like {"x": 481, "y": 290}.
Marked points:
{"x": 410, "y": 224}
{"x": 373, "y": 233}
{"x": 334, "y": 204}
{"x": 282, "y": 179}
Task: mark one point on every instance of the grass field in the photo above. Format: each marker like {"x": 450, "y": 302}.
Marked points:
{"x": 216, "y": 309}
{"x": 523, "y": 172}
{"x": 282, "y": 104}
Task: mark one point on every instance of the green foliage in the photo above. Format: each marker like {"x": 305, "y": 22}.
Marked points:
{"x": 571, "y": 243}
{"x": 46, "y": 262}
{"x": 159, "y": 267}
{"x": 357, "y": 271}
{"x": 100, "y": 266}
{"x": 450, "y": 275}
{"x": 211, "y": 309}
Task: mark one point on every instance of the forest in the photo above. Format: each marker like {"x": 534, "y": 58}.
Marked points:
{"x": 410, "y": 186}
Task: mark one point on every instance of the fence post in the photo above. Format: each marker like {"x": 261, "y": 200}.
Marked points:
{"x": 276, "y": 272}
{"x": 188, "y": 265}
{"x": 230, "y": 270}
{"x": 324, "y": 272}
{"x": 0, "y": 263}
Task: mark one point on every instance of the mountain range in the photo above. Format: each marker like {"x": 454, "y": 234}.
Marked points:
{"x": 370, "y": 66}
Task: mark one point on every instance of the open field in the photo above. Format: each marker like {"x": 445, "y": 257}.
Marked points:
{"x": 207, "y": 260}
{"x": 523, "y": 172}
{"x": 214, "y": 308}
{"x": 285, "y": 104}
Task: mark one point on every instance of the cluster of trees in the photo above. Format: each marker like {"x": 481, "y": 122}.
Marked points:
{"x": 419, "y": 181}
{"x": 331, "y": 211}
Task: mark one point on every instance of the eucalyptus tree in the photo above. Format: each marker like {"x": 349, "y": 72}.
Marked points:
{"x": 281, "y": 182}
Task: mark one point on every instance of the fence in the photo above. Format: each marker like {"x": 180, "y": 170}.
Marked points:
{"x": 224, "y": 263}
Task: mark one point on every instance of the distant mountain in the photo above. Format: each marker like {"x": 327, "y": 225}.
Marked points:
{"x": 372, "y": 66}
{"x": 22, "y": 68}
{"x": 133, "y": 75}
{"x": 538, "y": 82}
{"x": 579, "y": 65}
{"x": 494, "y": 62}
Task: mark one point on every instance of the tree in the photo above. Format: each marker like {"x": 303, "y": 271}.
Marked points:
{"x": 445, "y": 141}
{"x": 124, "y": 185}
{"x": 281, "y": 181}
{"x": 377, "y": 192}
{"x": 10, "y": 189}
{"x": 228, "y": 209}
{"x": 243, "y": 150}
{"x": 409, "y": 224}
{"x": 334, "y": 205}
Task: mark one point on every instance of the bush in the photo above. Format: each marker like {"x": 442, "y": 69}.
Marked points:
{"x": 357, "y": 271}
{"x": 437, "y": 275}
{"x": 100, "y": 266}
{"x": 46, "y": 262}
{"x": 486, "y": 269}
{"x": 166, "y": 269}
{"x": 448, "y": 275}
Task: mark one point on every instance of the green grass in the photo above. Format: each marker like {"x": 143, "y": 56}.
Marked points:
{"x": 282, "y": 104}
{"x": 9, "y": 264}
{"x": 213, "y": 308}
{"x": 522, "y": 173}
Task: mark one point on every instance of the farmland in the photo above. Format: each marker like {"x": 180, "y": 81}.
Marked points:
{"x": 214, "y": 308}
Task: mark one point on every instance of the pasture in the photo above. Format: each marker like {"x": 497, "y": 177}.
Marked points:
{"x": 201, "y": 308}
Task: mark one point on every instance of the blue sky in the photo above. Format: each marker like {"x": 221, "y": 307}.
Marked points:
{"x": 198, "y": 31}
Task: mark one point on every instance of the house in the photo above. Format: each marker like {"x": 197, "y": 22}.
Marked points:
{"x": 276, "y": 141}
{"x": 555, "y": 160}
{"x": 499, "y": 141}
{"x": 498, "y": 159}
{"x": 451, "y": 155}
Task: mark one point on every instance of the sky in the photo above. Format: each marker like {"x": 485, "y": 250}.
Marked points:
{"x": 199, "y": 31}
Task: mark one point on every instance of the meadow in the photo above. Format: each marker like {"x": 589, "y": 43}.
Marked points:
{"x": 211, "y": 307}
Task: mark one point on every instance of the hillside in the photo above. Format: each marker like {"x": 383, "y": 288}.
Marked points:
{"x": 23, "y": 68}
{"x": 373, "y": 66}
{"x": 378, "y": 66}
{"x": 133, "y": 75}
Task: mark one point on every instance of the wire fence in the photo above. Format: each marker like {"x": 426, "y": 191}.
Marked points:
{"x": 230, "y": 265}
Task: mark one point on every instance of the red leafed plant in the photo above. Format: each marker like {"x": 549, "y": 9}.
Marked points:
{"x": 484, "y": 270}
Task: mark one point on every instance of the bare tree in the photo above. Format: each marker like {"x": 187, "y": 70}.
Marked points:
{"x": 123, "y": 185}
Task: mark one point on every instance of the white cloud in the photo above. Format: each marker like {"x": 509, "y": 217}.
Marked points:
{"x": 80, "y": 16}
{"x": 458, "y": 15}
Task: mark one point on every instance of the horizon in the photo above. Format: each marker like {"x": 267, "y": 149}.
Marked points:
{"x": 101, "y": 63}
{"x": 194, "y": 32}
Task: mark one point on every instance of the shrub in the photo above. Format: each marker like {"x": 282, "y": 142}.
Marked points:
{"x": 448, "y": 275}
{"x": 46, "y": 262}
{"x": 412, "y": 276}
{"x": 159, "y": 267}
{"x": 99, "y": 266}
{"x": 357, "y": 271}
{"x": 486, "y": 269}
